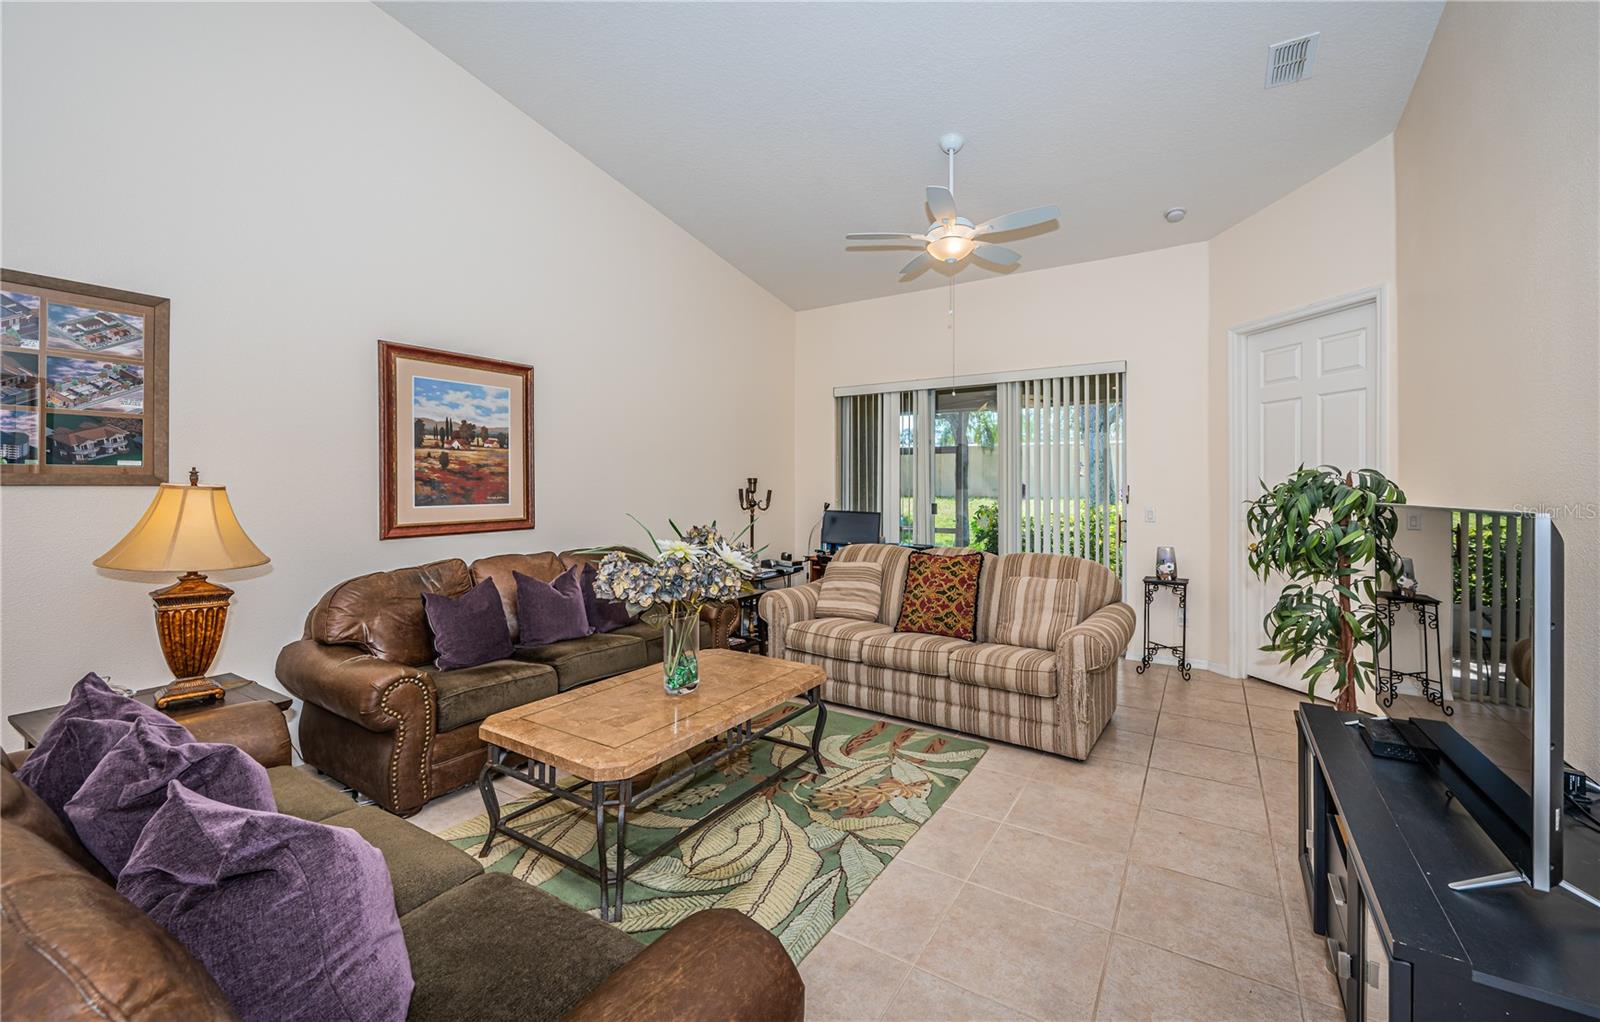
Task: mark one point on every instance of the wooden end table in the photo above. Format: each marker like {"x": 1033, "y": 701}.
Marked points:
{"x": 750, "y": 635}
{"x": 607, "y": 733}
{"x": 31, "y": 724}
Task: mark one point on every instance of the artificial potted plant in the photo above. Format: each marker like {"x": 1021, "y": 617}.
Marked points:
{"x": 1325, "y": 529}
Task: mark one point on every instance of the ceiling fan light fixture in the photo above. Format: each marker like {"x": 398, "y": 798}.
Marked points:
{"x": 951, "y": 237}
{"x": 951, "y": 248}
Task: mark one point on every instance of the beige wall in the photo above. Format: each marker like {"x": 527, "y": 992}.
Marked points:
{"x": 1332, "y": 236}
{"x": 1499, "y": 265}
{"x": 302, "y": 180}
{"x": 1167, "y": 313}
{"x": 1147, "y": 309}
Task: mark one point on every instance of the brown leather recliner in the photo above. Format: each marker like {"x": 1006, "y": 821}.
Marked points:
{"x": 382, "y": 719}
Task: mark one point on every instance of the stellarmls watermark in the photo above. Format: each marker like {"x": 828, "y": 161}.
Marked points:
{"x": 1581, "y": 510}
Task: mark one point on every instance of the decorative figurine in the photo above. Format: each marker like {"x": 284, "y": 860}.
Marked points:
{"x": 1405, "y": 580}
{"x": 1166, "y": 563}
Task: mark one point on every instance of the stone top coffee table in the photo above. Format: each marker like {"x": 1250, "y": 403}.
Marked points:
{"x": 607, "y": 733}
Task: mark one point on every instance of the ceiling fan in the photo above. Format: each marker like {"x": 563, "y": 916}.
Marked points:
{"x": 950, "y": 238}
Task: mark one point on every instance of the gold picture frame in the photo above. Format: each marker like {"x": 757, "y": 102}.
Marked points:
{"x": 455, "y": 443}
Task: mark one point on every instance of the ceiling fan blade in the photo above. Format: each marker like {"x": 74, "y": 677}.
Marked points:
{"x": 917, "y": 265}
{"x": 941, "y": 202}
{"x": 997, "y": 254}
{"x": 882, "y": 236}
{"x": 1018, "y": 220}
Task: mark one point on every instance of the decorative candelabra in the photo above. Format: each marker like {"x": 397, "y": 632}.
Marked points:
{"x": 748, "y": 503}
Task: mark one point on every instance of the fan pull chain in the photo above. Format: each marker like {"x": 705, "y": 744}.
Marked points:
{"x": 950, "y": 324}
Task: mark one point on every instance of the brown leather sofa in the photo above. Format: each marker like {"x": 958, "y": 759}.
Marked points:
{"x": 483, "y": 946}
{"x": 380, "y": 718}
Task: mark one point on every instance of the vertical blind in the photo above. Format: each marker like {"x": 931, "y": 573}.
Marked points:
{"x": 1491, "y": 605}
{"x": 906, "y": 447}
{"x": 860, "y": 466}
{"x": 1071, "y": 465}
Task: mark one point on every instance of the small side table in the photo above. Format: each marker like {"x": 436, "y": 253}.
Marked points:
{"x": 1153, "y": 585}
{"x": 1388, "y": 606}
{"x": 816, "y": 564}
{"x": 750, "y": 636}
{"x": 31, "y": 724}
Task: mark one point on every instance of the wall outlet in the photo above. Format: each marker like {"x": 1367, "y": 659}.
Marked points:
{"x": 1150, "y": 515}
{"x": 1413, "y": 521}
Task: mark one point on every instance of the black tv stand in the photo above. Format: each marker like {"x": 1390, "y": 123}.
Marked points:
{"x": 1381, "y": 844}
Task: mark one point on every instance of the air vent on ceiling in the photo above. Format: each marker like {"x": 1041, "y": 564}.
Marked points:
{"x": 1290, "y": 61}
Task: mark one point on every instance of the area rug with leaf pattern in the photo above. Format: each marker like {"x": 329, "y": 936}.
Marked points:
{"x": 794, "y": 858}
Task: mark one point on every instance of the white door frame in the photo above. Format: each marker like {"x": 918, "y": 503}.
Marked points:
{"x": 1241, "y": 489}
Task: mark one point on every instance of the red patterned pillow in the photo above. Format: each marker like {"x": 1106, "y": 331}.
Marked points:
{"x": 941, "y": 595}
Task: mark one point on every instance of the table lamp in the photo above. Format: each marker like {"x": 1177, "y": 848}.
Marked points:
{"x": 187, "y": 529}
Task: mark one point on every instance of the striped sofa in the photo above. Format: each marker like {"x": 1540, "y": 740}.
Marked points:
{"x": 1057, "y": 700}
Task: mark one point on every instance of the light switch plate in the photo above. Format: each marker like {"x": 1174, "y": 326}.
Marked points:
{"x": 1414, "y": 521}
{"x": 1150, "y": 515}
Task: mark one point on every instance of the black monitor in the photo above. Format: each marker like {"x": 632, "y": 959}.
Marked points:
{"x": 841, "y": 528}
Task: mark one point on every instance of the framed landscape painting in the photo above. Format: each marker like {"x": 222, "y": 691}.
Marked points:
{"x": 83, "y": 383}
{"x": 455, "y": 440}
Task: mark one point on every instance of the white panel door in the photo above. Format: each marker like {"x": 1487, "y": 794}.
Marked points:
{"x": 1311, "y": 395}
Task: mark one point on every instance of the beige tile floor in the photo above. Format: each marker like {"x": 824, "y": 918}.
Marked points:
{"x": 1155, "y": 881}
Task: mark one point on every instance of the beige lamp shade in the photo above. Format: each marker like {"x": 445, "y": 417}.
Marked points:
{"x": 186, "y": 528}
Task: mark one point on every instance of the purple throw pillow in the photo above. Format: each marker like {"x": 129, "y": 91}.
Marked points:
{"x": 469, "y": 629}
{"x": 129, "y": 785}
{"x": 551, "y": 611}
{"x": 294, "y": 920}
{"x": 77, "y": 745}
{"x": 92, "y": 721}
{"x": 604, "y": 614}
{"x": 92, "y": 697}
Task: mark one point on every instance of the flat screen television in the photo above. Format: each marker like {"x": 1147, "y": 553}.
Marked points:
{"x": 841, "y": 528}
{"x": 1474, "y": 659}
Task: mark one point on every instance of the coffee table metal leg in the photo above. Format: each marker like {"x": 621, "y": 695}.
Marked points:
{"x": 816, "y": 730}
{"x": 597, "y": 794}
{"x": 624, "y": 797}
{"x": 491, "y": 802}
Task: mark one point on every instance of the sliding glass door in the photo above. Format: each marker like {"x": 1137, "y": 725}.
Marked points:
{"x": 906, "y": 485}
{"x": 1004, "y": 463}
{"x": 966, "y": 468}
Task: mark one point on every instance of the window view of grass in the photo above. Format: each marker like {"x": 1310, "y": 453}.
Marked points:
{"x": 966, "y": 459}
{"x": 1091, "y": 525}
{"x": 984, "y": 528}
{"x": 981, "y": 510}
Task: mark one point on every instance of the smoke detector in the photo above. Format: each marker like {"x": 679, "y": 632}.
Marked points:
{"x": 1290, "y": 60}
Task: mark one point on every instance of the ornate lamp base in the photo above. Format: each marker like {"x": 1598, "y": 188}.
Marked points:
{"x": 188, "y": 690}
{"x": 190, "y": 615}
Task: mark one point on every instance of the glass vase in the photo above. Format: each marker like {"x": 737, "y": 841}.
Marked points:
{"x": 680, "y": 649}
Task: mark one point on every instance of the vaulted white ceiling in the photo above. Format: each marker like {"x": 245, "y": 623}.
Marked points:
{"x": 770, "y": 130}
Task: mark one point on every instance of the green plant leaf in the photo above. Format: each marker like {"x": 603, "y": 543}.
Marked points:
{"x": 653, "y": 541}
